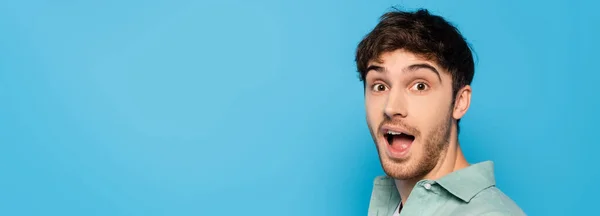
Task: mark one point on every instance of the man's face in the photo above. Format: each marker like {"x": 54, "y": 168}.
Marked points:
{"x": 409, "y": 112}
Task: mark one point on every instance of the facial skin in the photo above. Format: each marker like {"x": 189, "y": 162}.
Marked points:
{"x": 404, "y": 92}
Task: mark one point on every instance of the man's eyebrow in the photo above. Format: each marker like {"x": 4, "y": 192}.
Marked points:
{"x": 411, "y": 68}
{"x": 375, "y": 68}
{"x": 416, "y": 67}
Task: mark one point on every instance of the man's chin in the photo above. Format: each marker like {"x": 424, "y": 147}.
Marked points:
{"x": 396, "y": 168}
{"x": 399, "y": 175}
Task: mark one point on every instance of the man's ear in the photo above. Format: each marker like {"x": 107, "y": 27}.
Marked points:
{"x": 462, "y": 102}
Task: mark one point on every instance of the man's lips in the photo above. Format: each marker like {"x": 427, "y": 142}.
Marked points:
{"x": 398, "y": 141}
{"x": 388, "y": 129}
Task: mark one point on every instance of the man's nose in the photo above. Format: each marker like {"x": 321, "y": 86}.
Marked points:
{"x": 396, "y": 105}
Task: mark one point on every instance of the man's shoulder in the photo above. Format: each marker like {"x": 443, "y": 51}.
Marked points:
{"x": 491, "y": 201}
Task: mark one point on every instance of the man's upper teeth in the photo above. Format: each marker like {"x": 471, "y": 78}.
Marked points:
{"x": 394, "y": 133}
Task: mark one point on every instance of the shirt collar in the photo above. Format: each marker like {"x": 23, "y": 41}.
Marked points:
{"x": 468, "y": 182}
{"x": 385, "y": 196}
{"x": 464, "y": 183}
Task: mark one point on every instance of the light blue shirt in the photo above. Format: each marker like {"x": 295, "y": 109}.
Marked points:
{"x": 465, "y": 192}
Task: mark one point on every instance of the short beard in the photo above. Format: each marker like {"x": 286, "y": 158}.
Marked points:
{"x": 435, "y": 146}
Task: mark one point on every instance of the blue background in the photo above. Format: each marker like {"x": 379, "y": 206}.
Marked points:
{"x": 254, "y": 107}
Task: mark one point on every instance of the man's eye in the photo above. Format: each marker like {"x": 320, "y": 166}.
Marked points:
{"x": 379, "y": 87}
{"x": 420, "y": 86}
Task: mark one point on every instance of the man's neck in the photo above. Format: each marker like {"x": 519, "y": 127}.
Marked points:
{"x": 451, "y": 161}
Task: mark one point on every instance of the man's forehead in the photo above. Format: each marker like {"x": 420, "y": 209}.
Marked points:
{"x": 402, "y": 61}
{"x": 400, "y": 57}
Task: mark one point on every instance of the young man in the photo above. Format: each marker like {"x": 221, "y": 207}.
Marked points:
{"x": 417, "y": 69}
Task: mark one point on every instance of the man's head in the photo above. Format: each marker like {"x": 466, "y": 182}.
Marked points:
{"x": 417, "y": 70}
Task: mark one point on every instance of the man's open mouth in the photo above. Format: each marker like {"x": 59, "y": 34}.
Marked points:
{"x": 398, "y": 141}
